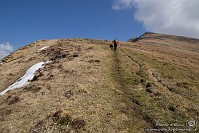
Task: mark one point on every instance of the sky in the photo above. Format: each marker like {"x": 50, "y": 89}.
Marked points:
{"x": 25, "y": 21}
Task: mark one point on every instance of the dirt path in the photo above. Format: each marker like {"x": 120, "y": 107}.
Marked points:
{"x": 133, "y": 106}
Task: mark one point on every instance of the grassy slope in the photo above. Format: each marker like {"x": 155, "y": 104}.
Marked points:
{"x": 74, "y": 93}
{"x": 93, "y": 89}
{"x": 169, "y": 92}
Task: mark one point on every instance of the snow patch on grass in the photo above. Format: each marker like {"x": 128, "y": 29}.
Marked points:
{"x": 39, "y": 50}
{"x": 23, "y": 81}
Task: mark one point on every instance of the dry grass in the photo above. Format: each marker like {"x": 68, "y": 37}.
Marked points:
{"x": 88, "y": 88}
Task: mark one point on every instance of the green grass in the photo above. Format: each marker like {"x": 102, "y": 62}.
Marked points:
{"x": 153, "y": 108}
{"x": 184, "y": 81}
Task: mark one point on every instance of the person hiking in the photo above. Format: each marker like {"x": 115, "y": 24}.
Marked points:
{"x": 115, "y": 42}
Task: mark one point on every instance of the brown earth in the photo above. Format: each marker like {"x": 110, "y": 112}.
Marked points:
{"x": 89, "y": 88}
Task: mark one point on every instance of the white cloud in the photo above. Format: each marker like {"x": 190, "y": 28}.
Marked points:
{"x": 178, "y": 17}
{"x": 5, "y": 49}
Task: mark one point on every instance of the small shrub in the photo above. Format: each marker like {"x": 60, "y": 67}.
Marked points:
{"x": 149, "y": 90}
{"x": 12, "y": 100}
{"x": 149, "y": 85}
{"x": 75, "y": 55}
{"x": 78, "y": 123}
{"x": 183, "y": 84}
{"x": 172, "y": 108}
{"x": 68, "y": 94}
{"x": 32, "y": 88}
{"x": 94, "y": 61}
{"x": 142, "y": 80}
{"x": 61, "y": 118}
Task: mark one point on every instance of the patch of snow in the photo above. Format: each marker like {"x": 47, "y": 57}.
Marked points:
{"x": 39, "y": 50}
{"x": 25, "y": 78}
{"x": 1, "y": 62}
{"x": 48, "y": 62}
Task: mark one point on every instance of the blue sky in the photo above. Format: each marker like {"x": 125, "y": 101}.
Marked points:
{"x": 25, "y": 21}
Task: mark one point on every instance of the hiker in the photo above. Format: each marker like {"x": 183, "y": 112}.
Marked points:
{"x": 116, "y": 42}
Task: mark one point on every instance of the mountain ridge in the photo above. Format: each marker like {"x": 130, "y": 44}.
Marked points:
{"x": 182, "y": 38}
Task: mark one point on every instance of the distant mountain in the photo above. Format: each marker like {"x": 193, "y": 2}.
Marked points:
{"x": 81, "y": 85}
{"x": 151, "y": 35}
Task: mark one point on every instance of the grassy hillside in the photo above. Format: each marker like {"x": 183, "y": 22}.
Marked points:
{"x": 88, "y": 88}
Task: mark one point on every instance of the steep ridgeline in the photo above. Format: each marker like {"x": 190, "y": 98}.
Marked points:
{"x": 81, "y": 85}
